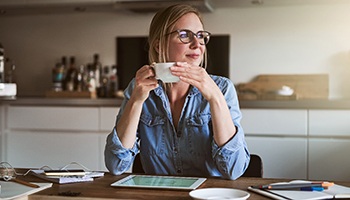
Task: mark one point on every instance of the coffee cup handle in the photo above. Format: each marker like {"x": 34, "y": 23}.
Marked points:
{"x": 152, "y": 65}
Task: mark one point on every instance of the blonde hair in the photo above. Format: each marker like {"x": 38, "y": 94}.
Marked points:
{"x": 162, "y": 24}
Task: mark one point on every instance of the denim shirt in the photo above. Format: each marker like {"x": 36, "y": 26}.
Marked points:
{"x": 189, "y": 151}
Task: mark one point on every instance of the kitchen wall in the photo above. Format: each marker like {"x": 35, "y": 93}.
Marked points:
{"x": 294, "y": 39}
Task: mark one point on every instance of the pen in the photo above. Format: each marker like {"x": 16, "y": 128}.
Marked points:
{"x": 285, "y": 186}
{"x": 320, "y": 189}
{"x": 25, "y": 183}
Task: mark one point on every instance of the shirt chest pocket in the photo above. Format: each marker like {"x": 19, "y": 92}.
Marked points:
{"x": 152, "y": 130}
{"x": 199, "y": 134}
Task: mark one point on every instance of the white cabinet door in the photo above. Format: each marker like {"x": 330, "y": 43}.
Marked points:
{"x": 329, "y": 159}
{"x": 56, "y": 135}
{"x": 329, "y": 145}
{"x": 283, "y": 157}
{"x": 329, "y": 123}
{"x": 108, "y": 116}
{"x": 53, "y": 118}
{"x": 55, "y": 149}
{"x": 274, "y": 122}
{"x": 278, "y": 136}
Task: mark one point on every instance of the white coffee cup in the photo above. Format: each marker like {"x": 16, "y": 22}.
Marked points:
{"x": 163, "y": 72}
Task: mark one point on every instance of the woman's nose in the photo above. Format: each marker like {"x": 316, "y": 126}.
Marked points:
{"x": 195, "y": 43}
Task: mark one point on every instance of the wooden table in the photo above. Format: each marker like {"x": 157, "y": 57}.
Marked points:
{"x": 100, "y": 189}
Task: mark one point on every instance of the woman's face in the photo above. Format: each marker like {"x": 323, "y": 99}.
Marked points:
{"x": 192, "y": 52}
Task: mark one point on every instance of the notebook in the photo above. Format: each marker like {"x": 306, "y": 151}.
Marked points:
{"x": 336, "y": 191}
{"x": 67, "y": 179}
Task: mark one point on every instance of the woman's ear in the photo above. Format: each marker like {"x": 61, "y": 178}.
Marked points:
{"x": 156, "y": 46}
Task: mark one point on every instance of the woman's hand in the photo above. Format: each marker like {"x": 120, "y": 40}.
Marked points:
{"x": 127, "y": 125}
{"x": 198, "y": 77}
{"x": 145, "y": 81}
{"x": 223, "y": 126}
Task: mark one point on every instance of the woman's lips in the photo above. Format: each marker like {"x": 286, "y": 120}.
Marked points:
{"x": 193, "y": 56}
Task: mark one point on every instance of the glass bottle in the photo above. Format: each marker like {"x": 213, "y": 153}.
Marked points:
{"x": 64, "y": 66}
{"x": 2, "y": 64}
{"x": 103, "y": 90}
{"x": 113, "y": 82}
{"x": 91, "y": 81}
{"x": 97, "y": 66}
{"x": 58, "y": 75}
{"x": 79, "y": 83}
{"x": 71, "y": 74}
{"x": 10, "y": 74}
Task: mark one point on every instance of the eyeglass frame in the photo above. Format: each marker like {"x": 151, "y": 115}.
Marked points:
{"x": 193, "y": 34}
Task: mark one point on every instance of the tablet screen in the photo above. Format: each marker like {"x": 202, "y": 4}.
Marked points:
{"x": 166, "y": 182}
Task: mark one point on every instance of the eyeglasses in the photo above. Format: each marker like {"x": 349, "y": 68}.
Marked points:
{"x": 187, "y": 36}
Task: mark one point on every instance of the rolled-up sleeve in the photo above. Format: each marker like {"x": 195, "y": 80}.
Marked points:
{"x": 233, "y": 158}
{"x": 118, "y": 159}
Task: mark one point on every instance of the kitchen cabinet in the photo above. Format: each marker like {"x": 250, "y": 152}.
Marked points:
{"x": 297, "y": 143}
{"x": 108, "y": 117}
{"x": 329, "y": 159}
{"x": 274, "y": 134}
{"x": 300, "y": 143}
{"x": 334, "y": 123}
{"x": 281, "y": 158}
{"x": 287, "y": 122}
{"x": 329, "y": 144}
{"x": 36, "y": 136}
{"x": 35, "y": 149}
{"x": 53, "y": 118}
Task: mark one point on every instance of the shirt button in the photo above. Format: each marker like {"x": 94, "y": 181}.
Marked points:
{"x": 178, "y": 134}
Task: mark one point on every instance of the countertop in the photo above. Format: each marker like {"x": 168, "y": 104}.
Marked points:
{"x": 111, "y": 102}
{"x": 341, "y": 104}
{"x": 37, "y": 101}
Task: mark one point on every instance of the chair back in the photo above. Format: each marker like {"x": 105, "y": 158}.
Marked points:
{"x": 137, "y": 166}
{"x": 255, "y": 167}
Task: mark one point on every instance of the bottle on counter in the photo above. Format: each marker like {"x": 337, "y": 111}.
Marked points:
{"x": 79, "y": 83}
{"x": 70, "y": 75}
{"x": 91, "y": 80}
{"x": 97, "y": 67}
{"x": 64, "y": 66}
{"x": 10, "y": 76}
{"x": 113, "y": 82}
{"x": 58, "y": 75}
{"x": 2, "y": 64}
{"x": 104, "y": 84}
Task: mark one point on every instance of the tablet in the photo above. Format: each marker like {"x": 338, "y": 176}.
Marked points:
{"x": 161, "y": 182}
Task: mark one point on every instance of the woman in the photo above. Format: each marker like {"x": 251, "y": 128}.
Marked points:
{"x": 191, "y": 127}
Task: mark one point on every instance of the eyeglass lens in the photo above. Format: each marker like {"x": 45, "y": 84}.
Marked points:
{"x": 187, "y": 36}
